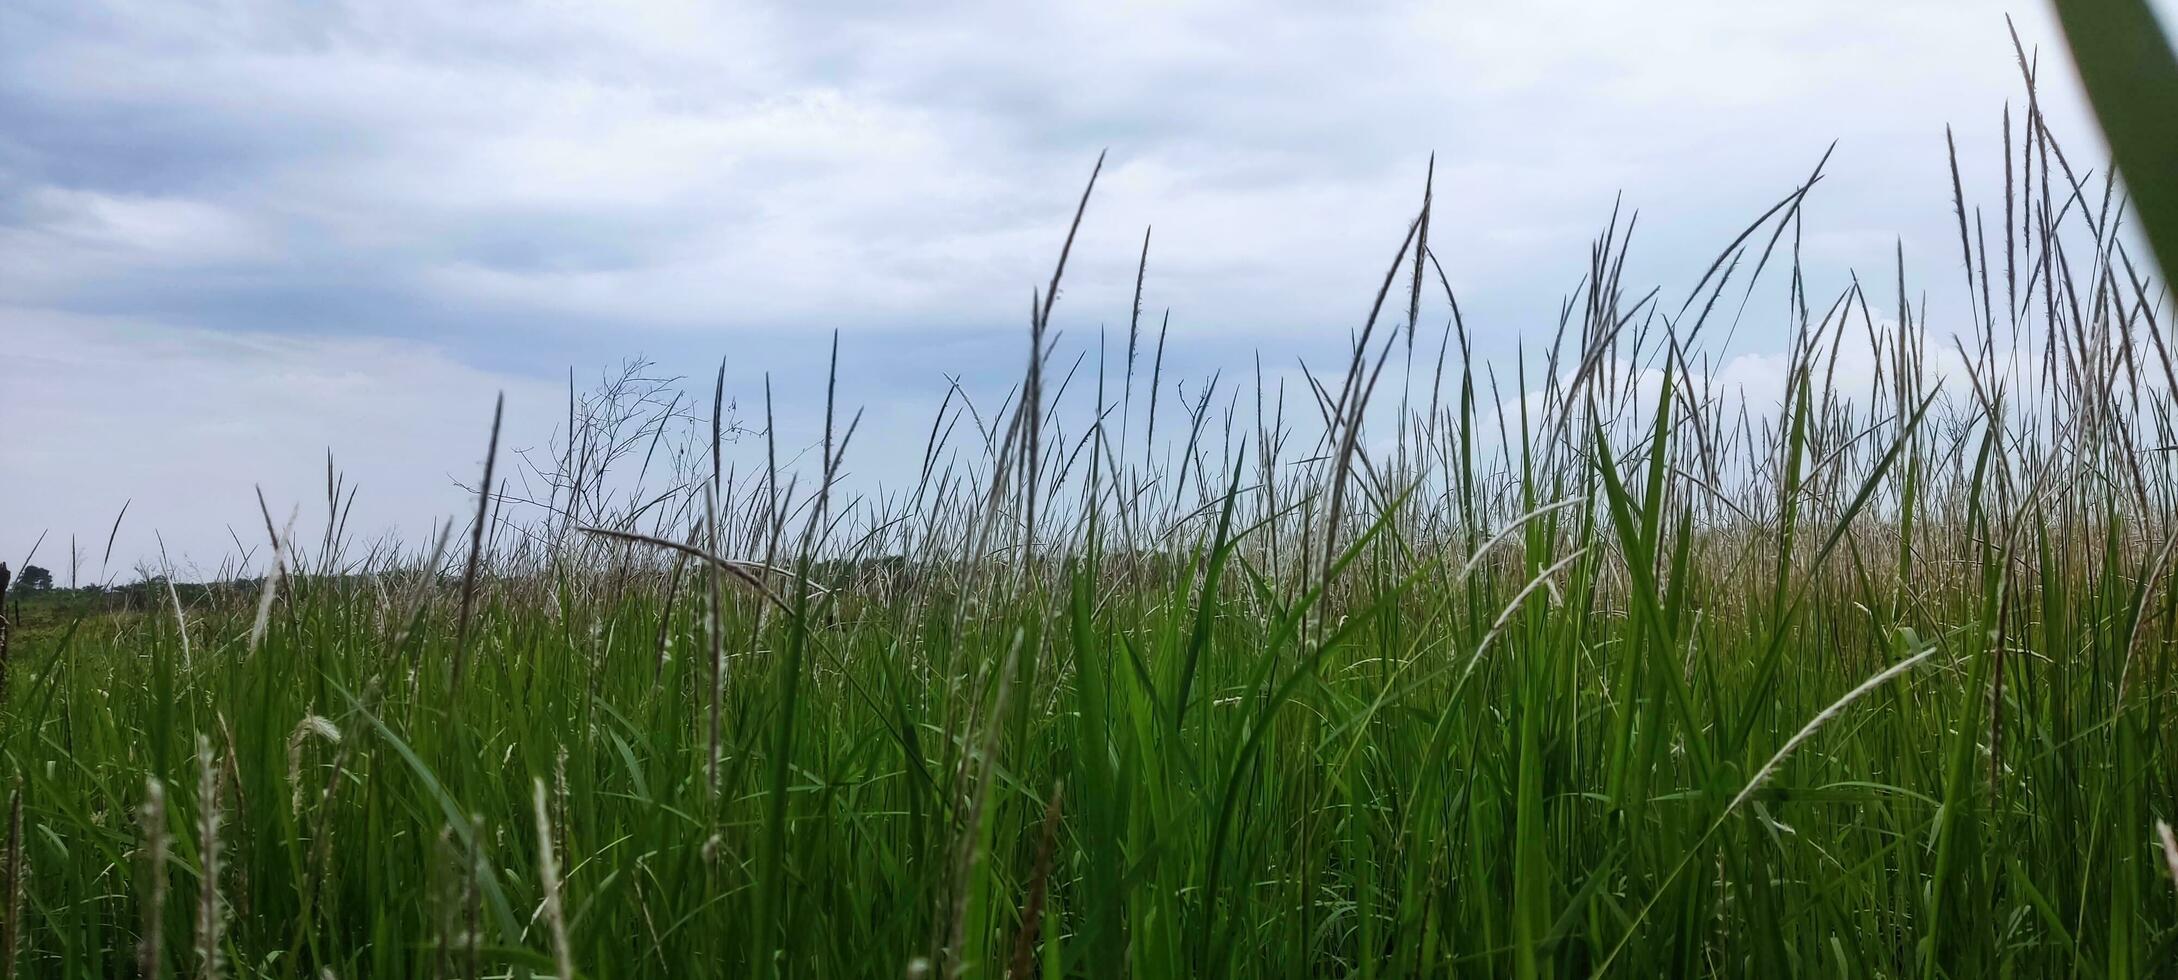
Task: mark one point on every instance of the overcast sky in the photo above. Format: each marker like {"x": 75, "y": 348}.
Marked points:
{"x": 236, "y": 235}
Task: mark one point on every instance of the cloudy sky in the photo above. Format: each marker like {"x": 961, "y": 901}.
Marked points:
{"x": 235, "y": 235}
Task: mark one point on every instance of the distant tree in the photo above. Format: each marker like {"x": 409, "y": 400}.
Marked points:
{"x": 34, "y": 579}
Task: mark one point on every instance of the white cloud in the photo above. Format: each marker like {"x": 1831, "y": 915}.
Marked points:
{"x": 673, "y": 165}
{"x": 186, "y": 423}
{"x": 214, "y": 215}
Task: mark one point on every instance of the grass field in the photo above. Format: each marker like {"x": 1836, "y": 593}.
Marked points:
{"x": 1867, "y": 676}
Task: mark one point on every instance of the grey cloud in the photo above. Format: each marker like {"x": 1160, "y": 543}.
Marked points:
{"x": 522, "y": 187}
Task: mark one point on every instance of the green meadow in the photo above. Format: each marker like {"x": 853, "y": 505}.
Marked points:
{"x": 1589, "y": 661}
